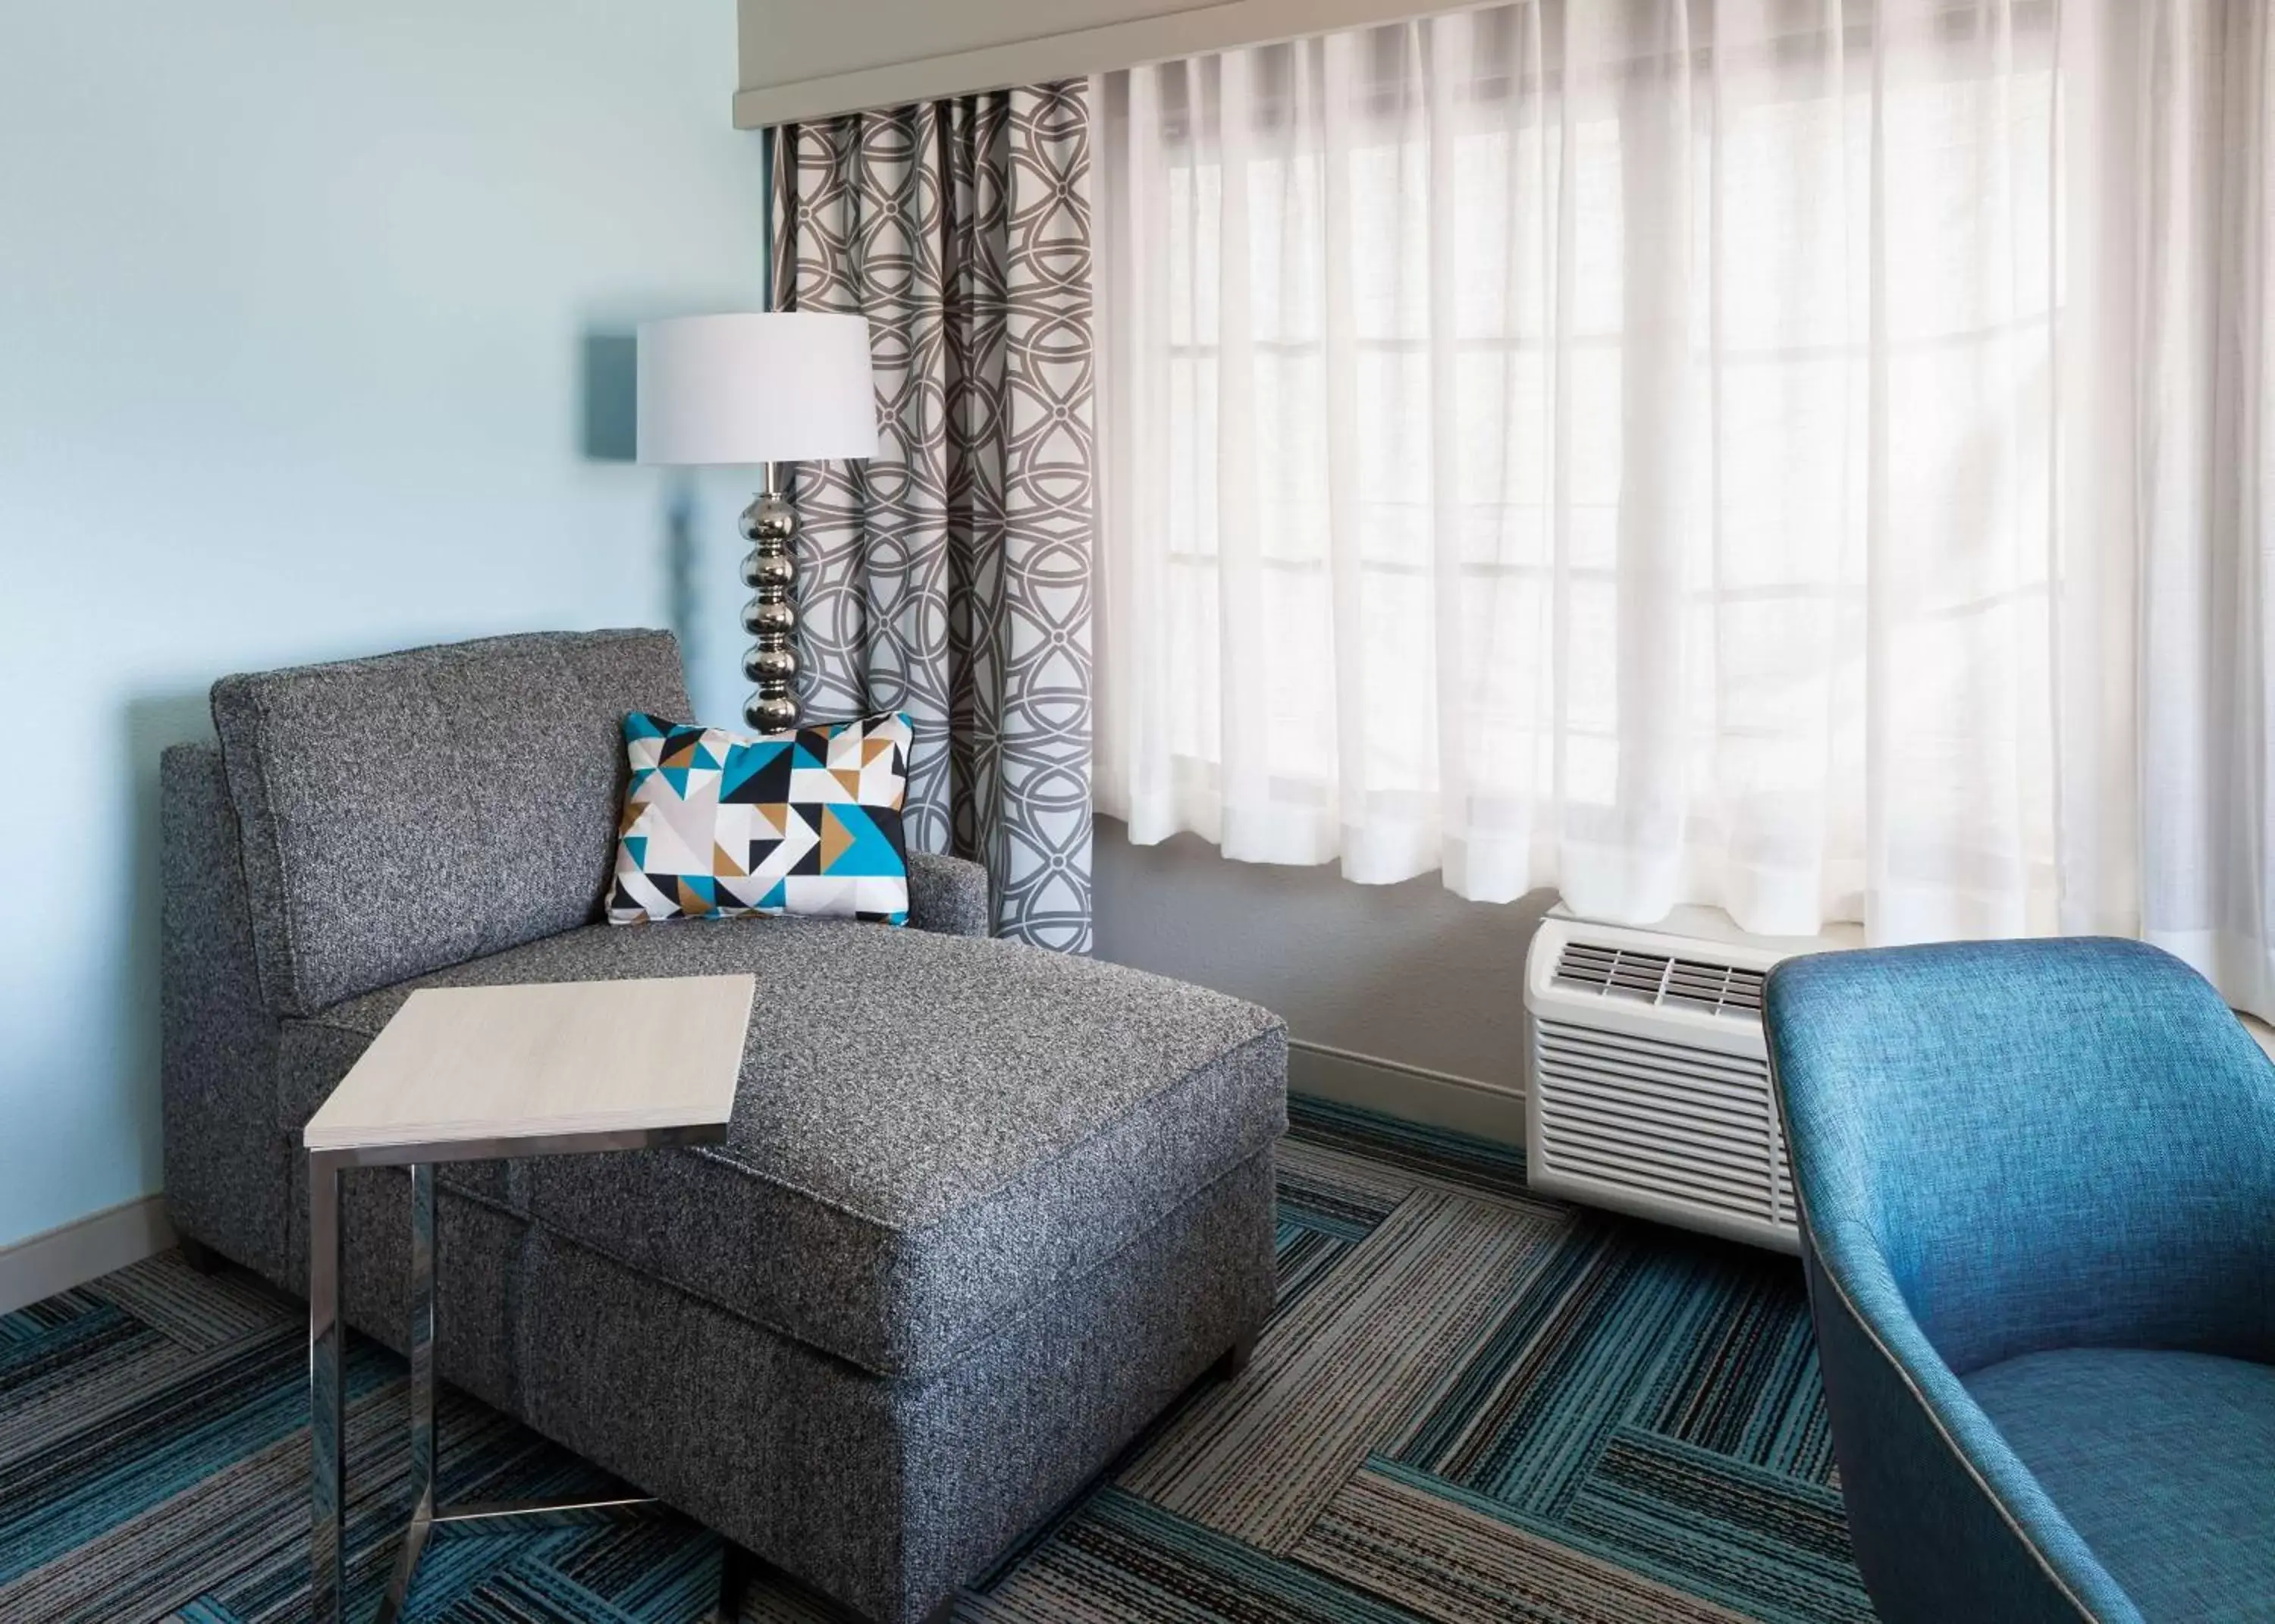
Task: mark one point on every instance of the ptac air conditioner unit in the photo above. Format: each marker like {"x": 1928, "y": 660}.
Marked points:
{"x": 1647, "y": 1078}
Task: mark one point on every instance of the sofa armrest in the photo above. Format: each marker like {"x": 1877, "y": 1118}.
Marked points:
{"x": 948, "y": 895}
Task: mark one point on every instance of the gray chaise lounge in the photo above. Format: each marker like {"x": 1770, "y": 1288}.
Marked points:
{"x": 982, "y": 1212}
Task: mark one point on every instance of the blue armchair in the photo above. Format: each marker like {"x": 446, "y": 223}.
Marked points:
{"x": 2037, "y": 1190}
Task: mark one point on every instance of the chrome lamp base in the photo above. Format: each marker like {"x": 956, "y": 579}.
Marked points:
{"x": 770, "y": 617}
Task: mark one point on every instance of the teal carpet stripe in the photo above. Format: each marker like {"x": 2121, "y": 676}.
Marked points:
{"x": 1622, "y": 1425}
{"x": 1330, "y": 1211}
{"x": 1306, "y": 1259}
{"x": 1747, "y": 1390}
{"x": 64, "y": 1354}
{"x": 1764, "y": 1547}
{"x": 61, "y": 1497}
{"x": 648, "y": 1568}
{"x": 1542, "y": 1451}
{"x": 1437, "y": 1153}
{"x": 1530, "y": 1330}
{"x": 1797, "y": 1522}
{"x": 1488, "y": 1505}
{"x": 1152, "y": 1565}
{"x": 503, "y": 1577}
{"x": 35, "y": 1320}
{"x": 529, "y": 1590}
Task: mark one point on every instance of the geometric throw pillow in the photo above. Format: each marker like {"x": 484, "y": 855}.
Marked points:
{"x": 717, "y": 824}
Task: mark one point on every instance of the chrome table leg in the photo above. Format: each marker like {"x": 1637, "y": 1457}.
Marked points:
{"x": 422, "y": 1392}
{"x": 327, "y": 1526}
{"x": 326, "y": 1431}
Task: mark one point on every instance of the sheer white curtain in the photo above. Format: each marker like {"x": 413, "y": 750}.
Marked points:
{"x": 1768, "y": 453}
{"x": 2189, "y": 87}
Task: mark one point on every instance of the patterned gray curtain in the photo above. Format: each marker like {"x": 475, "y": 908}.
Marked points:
{"x": 950, "y": 577}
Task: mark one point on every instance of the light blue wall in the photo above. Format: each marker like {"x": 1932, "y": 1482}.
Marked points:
{"x": 297, "y": 307}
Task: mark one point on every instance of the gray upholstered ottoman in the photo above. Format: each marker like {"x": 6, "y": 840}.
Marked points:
{"x": 982, "y": 1212}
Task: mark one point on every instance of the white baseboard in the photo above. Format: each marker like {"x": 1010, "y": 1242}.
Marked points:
{"x": 74, "y": 1253}
{"x": 1436, "y": 1098}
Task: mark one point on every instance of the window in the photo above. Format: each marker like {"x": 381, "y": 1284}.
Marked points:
{"x": 1593, "y": 447}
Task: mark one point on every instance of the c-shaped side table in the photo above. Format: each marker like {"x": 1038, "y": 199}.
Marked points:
{"x": 471, "y": 1074}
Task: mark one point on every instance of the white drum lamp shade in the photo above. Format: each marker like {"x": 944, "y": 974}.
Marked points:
{"x": 788, "y": 387}
{"x": 784, "y": 387}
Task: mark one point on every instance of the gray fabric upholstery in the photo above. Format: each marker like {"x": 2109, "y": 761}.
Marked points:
{"x": 948, "y": 895}
{"x": 929, "y": 1134}
{"x": 887, "y": 1494}
{"x": 982, "y": 1212}
{"x": 225, "y": 1155}
{"x": 416, "y": 810}
{"x": 884, "y": 1493}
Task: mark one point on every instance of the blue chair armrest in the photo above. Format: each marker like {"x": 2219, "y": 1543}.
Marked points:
{"x": 1947, "y": 1521}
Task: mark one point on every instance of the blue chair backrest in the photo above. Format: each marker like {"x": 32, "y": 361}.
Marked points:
{"x": 2049, "y": 1143}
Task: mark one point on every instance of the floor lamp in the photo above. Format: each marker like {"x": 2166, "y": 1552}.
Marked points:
{"x": 760, "y": 389}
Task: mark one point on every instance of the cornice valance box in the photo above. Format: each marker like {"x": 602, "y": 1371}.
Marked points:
{"x": 803, "y": 59}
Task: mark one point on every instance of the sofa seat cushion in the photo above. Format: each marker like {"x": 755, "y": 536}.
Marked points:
{"x": 2164, "y": 1462}
{"x": 930, "y": 1132}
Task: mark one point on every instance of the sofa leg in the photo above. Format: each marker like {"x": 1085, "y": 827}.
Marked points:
{"x": 1236, "y": 1357}
{"x": 198, "y": 1256}
{"x": 733, "y": 1576}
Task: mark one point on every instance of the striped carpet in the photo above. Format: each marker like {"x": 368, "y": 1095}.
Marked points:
{"x": 1472, "y": 1405}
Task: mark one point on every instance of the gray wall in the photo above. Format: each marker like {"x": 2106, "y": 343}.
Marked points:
{"x": 1410, "y": 976}
{"x": 314, "y": 341}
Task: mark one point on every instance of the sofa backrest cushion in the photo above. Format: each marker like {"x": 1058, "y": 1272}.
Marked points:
{"x": 414, "y": 811}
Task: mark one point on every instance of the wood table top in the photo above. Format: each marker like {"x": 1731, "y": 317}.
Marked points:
{"x": 459, "y": 1069}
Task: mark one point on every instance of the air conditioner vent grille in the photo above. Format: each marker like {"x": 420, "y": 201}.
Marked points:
{"x": 1673, "y": 1124}
{"x": 1661, "y": 979}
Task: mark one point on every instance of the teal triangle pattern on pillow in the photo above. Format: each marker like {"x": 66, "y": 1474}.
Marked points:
{"x": 717, "y": 824}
